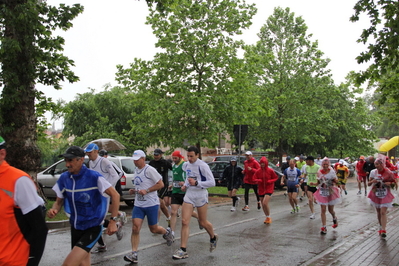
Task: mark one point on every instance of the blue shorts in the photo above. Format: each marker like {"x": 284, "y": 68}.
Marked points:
{"x": 150, "y": 212}
{"x": 292, "y": 189}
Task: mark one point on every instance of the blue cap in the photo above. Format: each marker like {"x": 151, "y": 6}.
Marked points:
{"x": 91, "y": 147}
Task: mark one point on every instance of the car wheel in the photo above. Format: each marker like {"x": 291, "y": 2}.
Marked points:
{"x": 129, "y": 203}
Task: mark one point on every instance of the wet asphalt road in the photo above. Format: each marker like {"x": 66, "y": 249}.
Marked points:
{"x": 292, "y": 239}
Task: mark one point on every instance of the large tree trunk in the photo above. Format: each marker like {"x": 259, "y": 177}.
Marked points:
{"x": 17, "y": 107}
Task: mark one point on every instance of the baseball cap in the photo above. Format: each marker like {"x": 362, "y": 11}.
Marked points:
{"x": 2, "y": 143}
{"x": 73, "y": 152}
{"x": 91, "y": 147}
{"x": 103, "y": 152}
{"x": 248, "y": 153}
{"x": 341, "y": 161}
{"x": 233, "y": 159}
{"x": 158, "y": 151}
{"x": 177, "y": 154}
{"x": 310, "y": 158}
{"x": 296, "y": 158}
{"x": 137, "y": 154}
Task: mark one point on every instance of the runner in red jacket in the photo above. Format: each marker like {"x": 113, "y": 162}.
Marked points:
{"x": 361, "y": 175}
{"x": 250, "y": 167}
{"x": 265, "y": 177}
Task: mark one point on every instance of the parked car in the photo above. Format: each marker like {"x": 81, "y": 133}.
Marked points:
{"x": 49, "y": 177}
{"x": 227, "y": 158}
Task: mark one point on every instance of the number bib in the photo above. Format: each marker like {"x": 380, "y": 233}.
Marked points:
{"x": 140, "y": 197}
{"x": 324, "y": 192}
{"x": 381, "y": 192}
{"x": 176, "y": 184}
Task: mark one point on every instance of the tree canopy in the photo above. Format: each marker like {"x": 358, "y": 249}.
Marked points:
{"x": 30, "y": 54}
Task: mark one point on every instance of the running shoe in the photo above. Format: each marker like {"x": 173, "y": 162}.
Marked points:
{"x": 335, "y": 221}
{"x": 285, "y": 194}
{"x": 168, "y": 221}
{"x": 293, "y": 211}
{"x": 99, "y": 248}
{"x": 258, "y": 205}
{"x": 245, "y": 209}
{"x": 131, "y": 257}
{"x": 214, "y": 243}
{"x": 119, "y": 232}
{"x": 168, "y": 237}
{"x": 268, "y": 220}
{"x": 323, "y": 230}
{"x": 233, "y": 209}
{"x": 395, "y": 204}
{"x": 297, "y": 208}
{"x": 359, "y": 192}
{"x": 365, "y": 193}
{"x": 123, "y": 217}
{"x": 179, "y": 254}
{"x": 300, "y": 198}
{"x": 383, "y": 233}
{"x": 346, "y": 192}
{"x": 237, "y": 202}
{"x": 178, "y": 213}
{"x": 312, "y": 216}
{"x": 199, "y": 225}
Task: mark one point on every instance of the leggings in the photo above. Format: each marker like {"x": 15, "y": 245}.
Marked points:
{"x": 246, "y": 195}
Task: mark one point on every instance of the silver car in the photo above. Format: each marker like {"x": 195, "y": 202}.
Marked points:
{"x": 49, "y": 177}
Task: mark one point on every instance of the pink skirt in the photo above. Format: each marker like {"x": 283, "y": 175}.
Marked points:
{"x": 327, "y": 196}
{"x": 381, "y": 197}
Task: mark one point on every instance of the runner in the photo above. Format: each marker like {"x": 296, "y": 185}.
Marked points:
{"x": 199, "y": 178}
{"x": 292, "y": 174}
{"x": 178, "y": 179}
{"x": 327, "y": 194}
{"x": 310, "y": 174}
{"x": 380, "y": 196}
{"x": 342, "y": 174}
{"x": 233, "y": 175}
{"x": 265, "y": 177}
{"x": 361, "y": 175}
{"x": 250, "y": 167}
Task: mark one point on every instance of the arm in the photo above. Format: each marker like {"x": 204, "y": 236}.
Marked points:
{"x": 113, "y": 209}
{"x": 57, "y": 205}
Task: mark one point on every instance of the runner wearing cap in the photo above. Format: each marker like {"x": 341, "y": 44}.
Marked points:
{"x": 250, "y": 167}
{"x": 342, "y": 174}
{"x": 147, "y": 182}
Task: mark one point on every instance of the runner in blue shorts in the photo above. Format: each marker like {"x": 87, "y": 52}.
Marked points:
{"x": 292, "y": 175}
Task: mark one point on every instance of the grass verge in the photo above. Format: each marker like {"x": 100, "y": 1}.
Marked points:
{"x": 220, "y": 190}
{"x": 60, "y": 216}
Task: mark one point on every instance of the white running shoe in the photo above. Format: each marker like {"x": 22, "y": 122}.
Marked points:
{"x": 233, "y": 209}
{"x": 123, "y": 217}
{"x": 312, "y": 216}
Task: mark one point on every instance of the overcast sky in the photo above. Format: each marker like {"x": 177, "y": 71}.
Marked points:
{"x": 109, "y": 33}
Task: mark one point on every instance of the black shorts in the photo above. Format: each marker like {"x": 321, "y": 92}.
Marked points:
{"x": 86, "y": 239}
{"x": 177, "y": 199}
{"x": 162, "y": 192}
{"x": 312, "y": 189}
{"x": 168, "y": 193}
{"x": 262, "y": 196}
{"x": 303, "y": 185}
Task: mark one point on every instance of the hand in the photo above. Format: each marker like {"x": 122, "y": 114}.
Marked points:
{"x": 112, "y": 228}
{"x": 183, "y": 188}
{"x": 52, "y": 213}
{"x": 191, "y": 181}
{"x": 132, "y": 191}
{"x": 249, "y": 168}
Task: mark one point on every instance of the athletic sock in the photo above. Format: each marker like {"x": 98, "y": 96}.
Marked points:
{"x": 184, "y": 249}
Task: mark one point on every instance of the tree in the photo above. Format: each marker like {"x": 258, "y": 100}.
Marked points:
{"x": 382, "y": 50}
{"x": 29, "y": 54}
{"x": 290, "y": 72}
{"x": 190, "y": 91}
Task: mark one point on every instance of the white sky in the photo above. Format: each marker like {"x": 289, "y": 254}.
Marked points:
{"x": 109, "y": 33}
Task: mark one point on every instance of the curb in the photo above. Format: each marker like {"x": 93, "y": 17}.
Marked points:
{"x": 57, "y": 224}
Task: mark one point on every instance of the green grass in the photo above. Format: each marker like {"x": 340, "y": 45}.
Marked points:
{"x": 60, "y": 216}
{"x": 220, "y": 190}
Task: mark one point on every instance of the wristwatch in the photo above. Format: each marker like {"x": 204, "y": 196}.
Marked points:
{"x": 147, "y": 190}
{"x": 114, "y": 218}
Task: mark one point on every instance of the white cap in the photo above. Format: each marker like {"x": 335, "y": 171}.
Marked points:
{"x": 248, "y": 153}
{"x": 296, "y": 158}
{"x": 137, "y": 154}
{"x": 341, "y": 161}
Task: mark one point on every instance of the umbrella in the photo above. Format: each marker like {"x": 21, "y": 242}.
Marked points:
{"x": 107, "y": 144}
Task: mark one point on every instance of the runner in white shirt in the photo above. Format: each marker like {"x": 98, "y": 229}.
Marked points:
{"x": 199, "y": 178}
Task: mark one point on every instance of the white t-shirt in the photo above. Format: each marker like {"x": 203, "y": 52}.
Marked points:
{"x": 145, "y": 178}
{"x": 201, "y": 172}
{"x": 26, "y": 195}
{"x": 105, "y": 168}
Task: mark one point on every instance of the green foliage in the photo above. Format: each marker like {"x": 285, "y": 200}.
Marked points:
{"x": 307, "y": 113}
{"x": 30, "y": 54}
{"x": 190, "y": 91}
{"x": 382, "y": 51}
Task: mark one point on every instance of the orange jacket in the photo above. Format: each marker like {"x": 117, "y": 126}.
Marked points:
{"x": 14, "y": 249}
{"x": 265, "y": 177}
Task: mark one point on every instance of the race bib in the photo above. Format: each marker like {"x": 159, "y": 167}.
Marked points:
{"x": 381, "y": 192}
{"x": 324, "y": 192}
{"x": 176, "y": 184}
{"x": 140, "y": 197}
{"x": 291, "y": 178}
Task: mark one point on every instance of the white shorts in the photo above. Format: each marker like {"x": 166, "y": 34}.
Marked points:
{"x": 196, "y": 198}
